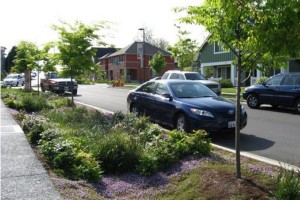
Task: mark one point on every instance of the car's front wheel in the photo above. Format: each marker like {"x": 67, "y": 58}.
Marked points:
{"x": 74, "y": 92}
{"x": 182, "y": 123}
{"x": 253, "y": 101}
{"x": 297, "y": 105}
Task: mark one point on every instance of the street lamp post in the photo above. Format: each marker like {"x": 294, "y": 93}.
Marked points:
{"x": 142, "y": 59}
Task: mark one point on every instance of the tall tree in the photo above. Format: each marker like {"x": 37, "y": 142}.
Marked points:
{"x": 75, "y": 47}
{"x": 9, "y": 59}
{"x": 251, "y": 29}
{"x": 158, "y": 62}
{"x": 184, "y": 50}
{"x": 26, "y": 60}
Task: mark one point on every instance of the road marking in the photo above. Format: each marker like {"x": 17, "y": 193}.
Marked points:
{"x": 100, "y": 109}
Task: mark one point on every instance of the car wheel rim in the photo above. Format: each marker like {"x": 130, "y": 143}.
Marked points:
{"x": 252, "y": 101}
{"x": 134, "y": 110}
{"x": 180, "y": 123}
{"x": 298, "y": 106}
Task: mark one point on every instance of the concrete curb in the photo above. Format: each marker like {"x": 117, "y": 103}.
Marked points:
{"x": 261, "y": 158}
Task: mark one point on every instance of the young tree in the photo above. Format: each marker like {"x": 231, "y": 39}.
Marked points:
{"x": 158, "y": 62}
{"x": 184, "y": 50}
{"x": 75, "y": 47}
{"x": 251, "y": 29}
{"x": 25, "y": 60}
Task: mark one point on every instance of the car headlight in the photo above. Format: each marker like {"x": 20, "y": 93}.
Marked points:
{"x": 247, "y": 88}
{"x": 202, "y": 112}
{"x": 53, "y": 82}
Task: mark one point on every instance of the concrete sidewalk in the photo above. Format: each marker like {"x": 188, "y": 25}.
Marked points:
{"x": 22, "y": 174}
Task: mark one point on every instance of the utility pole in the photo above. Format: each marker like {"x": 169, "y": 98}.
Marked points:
{"x": 143, "y": 55}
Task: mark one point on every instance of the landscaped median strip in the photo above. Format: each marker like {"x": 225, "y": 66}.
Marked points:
{"x": 243, "y": 153}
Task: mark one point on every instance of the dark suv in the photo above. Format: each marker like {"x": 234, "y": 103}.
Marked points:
{"x": 279, "y": 90}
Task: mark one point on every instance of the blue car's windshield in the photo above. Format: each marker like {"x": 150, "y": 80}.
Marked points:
{"x": 191, "y": 90}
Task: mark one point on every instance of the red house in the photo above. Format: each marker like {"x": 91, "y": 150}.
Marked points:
{"x": 126, "y": 65}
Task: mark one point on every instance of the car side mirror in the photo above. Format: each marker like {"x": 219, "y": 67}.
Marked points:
{"x": 167, "y": 96}
{"x": 264, "y": 83}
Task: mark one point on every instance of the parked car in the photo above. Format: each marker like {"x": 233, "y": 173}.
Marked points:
{"x": 53, "y": 83}
{"x": 279, "y": 90}
{"x": 184, "y": 105}
{"x": 14, "y": 80}
{"x": 188, "y": 75}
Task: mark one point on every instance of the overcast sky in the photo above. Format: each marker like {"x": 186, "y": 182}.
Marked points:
{"x": 31, "y": 20}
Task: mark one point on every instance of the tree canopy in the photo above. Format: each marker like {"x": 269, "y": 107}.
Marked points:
{"x": 26, "y": 60}
{"x": 260, "y": 30}
{"x": 9, "y": 59}
{"x": 184, "y": 50}
{"x": 75, "y": 46}
{"x": 254, "y": 30}
{"x": 158, "y": 62}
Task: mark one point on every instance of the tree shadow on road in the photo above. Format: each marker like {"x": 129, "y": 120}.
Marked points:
{"x": 248, "y": 142}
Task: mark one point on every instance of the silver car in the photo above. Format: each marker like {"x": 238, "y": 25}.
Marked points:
{"x": 196, "y": 76}
{"x": 14, "y": 80}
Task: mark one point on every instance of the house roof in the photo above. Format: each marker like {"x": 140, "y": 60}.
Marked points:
{"x": 101, "y": 51}
{"x": 132, "y": 49}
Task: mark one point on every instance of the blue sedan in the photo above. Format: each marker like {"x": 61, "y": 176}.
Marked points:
{"x": 184, "y": 105}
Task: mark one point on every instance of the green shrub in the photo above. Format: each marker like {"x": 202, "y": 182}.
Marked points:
{"x": 59, "y": 102}
{"x": 118, "y": 83}
{"x": 288, "y": 185}
{"x": 31, "y": 122}
{"x": 64, "y": 157}
{"x": 171, "y": 149}
{"x": 50, "y": 134}
{"x": 199, "y": 143}
{"x": 226, "y": 83}
{"x": 118, "y": 152}
{"x": 151, "y": 136}
{"x": 155, "y": 159}
{"x": 34, "y": 135}
{"x": 261, "y": 80}
{"x": 10, "y": 102}
{"x": 87, "y": 167}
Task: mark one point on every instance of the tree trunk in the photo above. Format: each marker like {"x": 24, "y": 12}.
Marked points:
{"x": 28, "y": 80}
{"x": 238, "y": 118}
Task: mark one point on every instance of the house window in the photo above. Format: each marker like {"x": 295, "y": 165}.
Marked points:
{"x": 121, "y": 58}
{"x": 219, "y": 48}
{"x": 223, "y": 72}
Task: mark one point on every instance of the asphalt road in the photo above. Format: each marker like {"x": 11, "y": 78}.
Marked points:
{"x": 272, "y": 133}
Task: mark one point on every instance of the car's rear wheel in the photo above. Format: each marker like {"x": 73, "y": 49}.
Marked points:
{"x": 253, "y": 101}
{"x": 297, "y": 105}
{"x": 134, "y": 109}
{"x": 182, "y": 123}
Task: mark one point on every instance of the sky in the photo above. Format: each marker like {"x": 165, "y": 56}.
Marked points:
{"x": 31, "y": 20}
